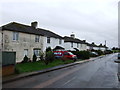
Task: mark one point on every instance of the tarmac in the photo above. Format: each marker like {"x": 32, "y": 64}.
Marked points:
{"x": 24, "y": 75}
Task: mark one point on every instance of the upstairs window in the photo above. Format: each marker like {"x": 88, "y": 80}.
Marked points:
{"x": 15, "y": 36}
{"x": 48, "y": 39}
{"x": 77, "y": 45}
{"x": 60, "y": 41}
{"x": 37, "y": 38}
{"x": 71, "y": 44}
{"x": 81, "y": 45}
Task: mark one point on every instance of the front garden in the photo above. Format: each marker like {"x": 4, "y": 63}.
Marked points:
{"x": 39, "y": 65}
{"x": 50, "y": 61}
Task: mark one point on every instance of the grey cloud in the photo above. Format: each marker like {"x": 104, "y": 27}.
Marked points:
{"x": 93, "y": 21}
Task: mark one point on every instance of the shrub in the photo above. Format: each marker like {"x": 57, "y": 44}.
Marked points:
{"x": 48, "y": 49}
{"x": 42, "y": 56}
{"x": 92, "y": 55}
{"x": 82, "y": 54}
{"x": 25, "y": 59}
{"x": 34, "y": 58}
{"x": 49, "y": 57}
{"x": 108, "y": 51}
{"x": 99, "y": 52}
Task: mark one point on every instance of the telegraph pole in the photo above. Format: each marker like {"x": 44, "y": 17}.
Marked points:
{"x": 105, "y": 45}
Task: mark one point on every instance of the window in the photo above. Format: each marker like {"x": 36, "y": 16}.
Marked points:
{"x": 37, "y": 38}
{"x": 36, "y": 52}
{"x": 81, "y": 45}
{"x": 15, "y": 36}
{"x": 26, "y": 52}
{"x": 71, "y": 44}
{"x": 77, "y": 45}
{"x": 48, "y": 39}
{"x": 60, "y": 41}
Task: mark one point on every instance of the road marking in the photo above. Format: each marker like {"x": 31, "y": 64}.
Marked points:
{"x": 68, "y": 81}
{"x": 51, "y": 81}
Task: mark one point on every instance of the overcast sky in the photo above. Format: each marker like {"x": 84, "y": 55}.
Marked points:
{"x": 92, "y": 20}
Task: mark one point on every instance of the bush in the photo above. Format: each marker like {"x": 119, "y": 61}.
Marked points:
{"x": 42, "y": 56}
{"x": 108, "y": 51}
{"x": 92, "y": 55}
{"x": 25, "y": 59}
{"x": 82, "y": 54}
{"x": 34, "y": 58}
{"x": 99, "y": 52}
{"x": 49, "y": 57}
{"x": 48, "y": 49}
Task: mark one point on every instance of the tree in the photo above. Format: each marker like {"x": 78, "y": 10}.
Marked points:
{"x": 34, "y": 58}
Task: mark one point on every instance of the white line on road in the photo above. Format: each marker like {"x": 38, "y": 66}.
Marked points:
{"x": 68, "y": 81}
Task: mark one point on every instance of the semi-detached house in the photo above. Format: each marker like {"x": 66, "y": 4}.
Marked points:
{"x": 93, "y": 46}
{"x": 72, "y": 43}
{"x": 27, "y": 40}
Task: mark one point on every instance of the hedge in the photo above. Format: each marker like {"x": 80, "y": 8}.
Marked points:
{"x": 82, "y": 54}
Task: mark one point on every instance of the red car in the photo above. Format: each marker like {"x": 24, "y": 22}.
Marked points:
{"x": 69, "y": 55}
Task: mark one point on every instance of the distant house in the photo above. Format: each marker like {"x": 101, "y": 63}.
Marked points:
{"x": 27, "y": 40}
{"x": 72, "y": 43}
{"x": 83, "y": 45}
{"x": 89, "y": 47}
{"x": 93, "y": 46}
{"x": 102, "y": 47}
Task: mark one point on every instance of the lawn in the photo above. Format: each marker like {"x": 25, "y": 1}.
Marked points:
{"x": 39, "y": 65}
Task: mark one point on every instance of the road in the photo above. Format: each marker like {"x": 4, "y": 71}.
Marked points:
{"x": 100, "y": 73}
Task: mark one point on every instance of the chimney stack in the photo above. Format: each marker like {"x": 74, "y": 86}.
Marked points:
{"x": 100, "y": 44}
{"x": 72, "y": 35}
{"x": 84, "y": 40}
{"x": 93, "y": 43}
{"x": 34, "y": 24}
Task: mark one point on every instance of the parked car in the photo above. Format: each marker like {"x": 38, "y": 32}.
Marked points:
{"x": 63, "y": 53}
{"x": 93, "y": 54}
{"x": 118, "y": 55}
{"x": 118, "y": 60}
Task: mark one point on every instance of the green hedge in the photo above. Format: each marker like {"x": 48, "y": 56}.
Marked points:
{"x": 99, "y": 52}
{"x": 82, "y": 54}
{"x": 108, "y": 51}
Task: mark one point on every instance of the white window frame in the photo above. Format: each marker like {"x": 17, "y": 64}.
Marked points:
{"x": 77, "y": 45}
{"x": 60, "y": 41}
{"x": 26, "y": 52}
{"x": 48, "y": 40}
{"x": 37, "y": 38}
{"x": 15, "y": 36}
{"x": 71, "y": 44}
{"x": 36, "y": 52}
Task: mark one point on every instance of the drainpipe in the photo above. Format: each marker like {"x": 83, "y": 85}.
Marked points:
{"x": 2, "y": 41}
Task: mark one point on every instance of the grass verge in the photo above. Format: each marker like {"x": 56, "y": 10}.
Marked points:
{"x": 39, "y": 65}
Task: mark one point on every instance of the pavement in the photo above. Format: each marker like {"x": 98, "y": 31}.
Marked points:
{"x": 24, "y": 75}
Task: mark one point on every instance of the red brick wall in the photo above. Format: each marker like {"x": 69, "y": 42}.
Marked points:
{"x": 8, "y": 70}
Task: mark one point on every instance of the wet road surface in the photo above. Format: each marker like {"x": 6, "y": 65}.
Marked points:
{"x": 100, "y": 73}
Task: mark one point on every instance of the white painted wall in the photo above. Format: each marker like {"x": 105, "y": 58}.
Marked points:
{"x": 88, "y": 47}
{"x": 53, "y": 43}
{"x": 96, "y": 48}
{"x": 102, "y": 48}
{"x": 83, "y": 47}
{"x": 67, "y": 46}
